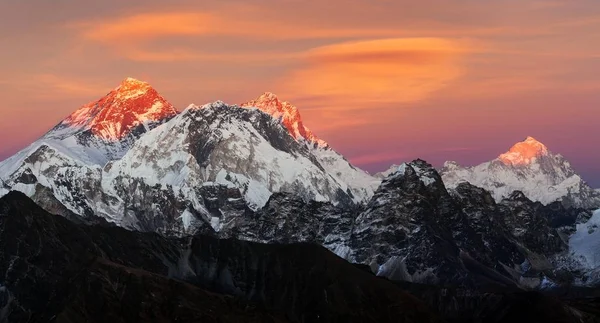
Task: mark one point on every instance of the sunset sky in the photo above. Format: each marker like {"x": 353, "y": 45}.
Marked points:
{"x": 383, "y": 81}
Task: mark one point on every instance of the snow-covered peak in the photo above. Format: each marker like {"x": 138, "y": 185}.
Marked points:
{"x": 131, "y": 104}
{"x": 530, "y": 167}
{"x": 524, "y": 152}
{"x": 424, "y": 171}
{"x": 130, "y": 88}
{"x": 239, "y": 148}
{"x": 358, "y": 182}
{"x": 451, "y": 164}
{"x": 103, "y": 130}
{"x": 289, "y": 115}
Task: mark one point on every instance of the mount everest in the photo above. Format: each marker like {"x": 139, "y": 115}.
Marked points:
{"x": 256, "y": 172}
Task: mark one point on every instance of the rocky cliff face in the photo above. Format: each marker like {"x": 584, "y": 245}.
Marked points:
{"x": 415, "y": 230}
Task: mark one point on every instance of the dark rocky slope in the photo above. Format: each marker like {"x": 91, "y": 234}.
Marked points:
{"x": 53, "y": 269}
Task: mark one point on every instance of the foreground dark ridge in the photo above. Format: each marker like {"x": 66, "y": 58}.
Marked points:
{"x": 54, "y": 270}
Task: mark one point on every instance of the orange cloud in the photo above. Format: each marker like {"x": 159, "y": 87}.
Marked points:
{"x": 52, "y": 87}
{"x": 141, "y": 54}
{"x": 143, "y": 26}
{"x": 137, "y": 36}
{"x": 399, "y": 70}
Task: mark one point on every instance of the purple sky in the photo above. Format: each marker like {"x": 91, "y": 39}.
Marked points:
{"x": 382, "y": 81}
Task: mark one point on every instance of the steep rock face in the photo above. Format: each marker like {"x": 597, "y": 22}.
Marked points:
{"x": 531, "y": 168}
{"x": 398, "y": 235}
{"x": 4, "y": 188}
{"x": 415, "y": 230}
{"x": 288, "y": 219}
{"x": 66, "y": 264}
{"x": 495, "y": 245}
{"x": 584, "y": 248}
{"x": 526, "y": 223}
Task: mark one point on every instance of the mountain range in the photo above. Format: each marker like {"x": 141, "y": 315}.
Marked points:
{"x": 254, "y": 172}
{"x": 59, "y": 271}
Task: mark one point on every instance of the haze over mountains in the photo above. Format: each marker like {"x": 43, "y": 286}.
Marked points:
{"x": 256, "y": 172}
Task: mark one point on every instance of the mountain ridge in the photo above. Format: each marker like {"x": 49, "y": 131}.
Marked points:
{"x": 254, "y": 148}
{"x": 244, "y": 172}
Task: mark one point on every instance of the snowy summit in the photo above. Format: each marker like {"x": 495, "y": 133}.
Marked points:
{"x": 524, "y": 152}
{"x": 530, "y": 167}
{"x": 112, "y": 117}
{"x": 289, "y": 115}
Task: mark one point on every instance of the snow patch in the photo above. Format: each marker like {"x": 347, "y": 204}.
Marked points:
{"x": 401, "y": 169}
{"x": 584, "y": 244}
{"x": 27, "y": 189}
{"x": 215, "y": 223}
{"x": 186, "y": 218}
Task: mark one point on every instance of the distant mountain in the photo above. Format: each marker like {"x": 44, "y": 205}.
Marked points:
{"x": 102, "y": 130}
{"x": 383, "y": 174}
{"x": 531, "y": 168}
{"x": 132, "y": 159}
